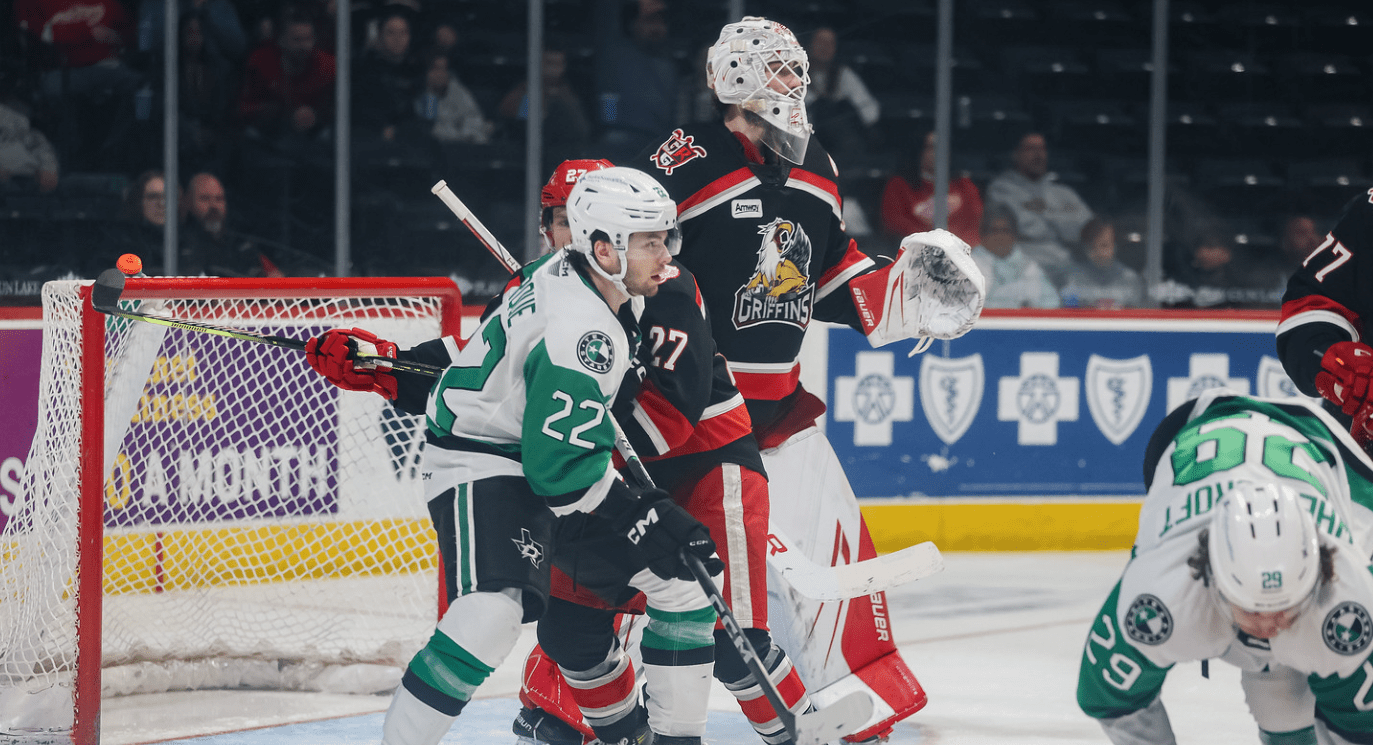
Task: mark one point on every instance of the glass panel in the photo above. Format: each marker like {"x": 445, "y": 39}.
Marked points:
{"x": 1267, "y": 139}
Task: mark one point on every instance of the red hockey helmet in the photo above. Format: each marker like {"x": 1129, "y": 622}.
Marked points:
{"x": 559, "y": 186}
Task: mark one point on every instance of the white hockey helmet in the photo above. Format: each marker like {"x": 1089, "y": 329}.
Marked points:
{"x": 740, "y": 66}
{"x": 617, "y": 202}
{"x": 1265, "y": 555}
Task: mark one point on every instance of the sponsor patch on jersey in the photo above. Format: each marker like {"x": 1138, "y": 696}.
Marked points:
{"x": 677, "y": 151}
{"x": 1347, "y": 628}
{"x": 596, "y": 351}
{"x": 1148, "y": 620}
{"x": 745, "y": 208}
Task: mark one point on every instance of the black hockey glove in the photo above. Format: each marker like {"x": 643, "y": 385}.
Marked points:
{"x": 661, "y": 530}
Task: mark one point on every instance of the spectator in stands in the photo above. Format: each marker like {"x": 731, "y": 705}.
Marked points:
{"x": 908, "y": 199}
{"x": 80, "y": 46}
{"x": 1050, "y": 215}
{"x": 565, "y": 128}
{"x": 205, "y": 80}
{"x": 208, "y": 246}
{"x": 452, "y": 109}
{"x": 221, "y": 30}
{"x": 288, "y": 87}
{"x": 841, "y": 109}
{"x": 444, "y": 39}
{"x": 141, "y": 225}
{"x": 1216, "y": 275}
{"x": 637, "y": 81}
{"x": 1101, "y": 280}
{"x": 389, "y": 77}
{"x": 1298, "y": 237}
{"x": 1014, "y": 280}
{"x": 24, "y": 152}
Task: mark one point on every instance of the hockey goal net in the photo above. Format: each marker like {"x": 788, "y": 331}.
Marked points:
{"x": 204, "y": 512}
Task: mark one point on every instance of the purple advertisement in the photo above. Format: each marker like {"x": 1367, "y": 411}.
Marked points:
{"x": 20, "y": 350}
{"x": 223, "y": 430}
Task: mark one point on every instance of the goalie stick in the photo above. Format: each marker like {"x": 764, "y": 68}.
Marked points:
{"x": 805, "y": 576}
{"x": 811, "y": 728}
{"x": 110, "y": 285}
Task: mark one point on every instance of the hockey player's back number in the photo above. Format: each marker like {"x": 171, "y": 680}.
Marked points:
{"x": 1201, "y": 454}
{"x": 472, "y": 378}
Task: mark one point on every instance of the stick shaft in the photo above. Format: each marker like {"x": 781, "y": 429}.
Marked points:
{"x": 417, "y": 368}
{"x": 487, "y": 238}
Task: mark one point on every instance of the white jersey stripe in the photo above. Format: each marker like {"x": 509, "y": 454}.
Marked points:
{"x": 646, "y": 422}
{"x": 740, "y": 592}
{"x": 841, "y": 279}
{"x": 819, "y": 193}
{"x": 723, "y": 407}
{"x": 762, "y": 368}
{"x": 705, "y": 206}
{"x": 1318, "y": 316}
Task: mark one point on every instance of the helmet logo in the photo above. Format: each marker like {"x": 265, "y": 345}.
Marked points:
{"x": 779, "y": 290}
{"x": 1148, "y": 620}
{"x": 596, "y": 351}
{"x": 677, "y": 151}
{"x": 1347, "y": 628}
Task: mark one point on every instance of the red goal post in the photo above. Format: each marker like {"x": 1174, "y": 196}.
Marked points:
{"x": 199, "y": 511}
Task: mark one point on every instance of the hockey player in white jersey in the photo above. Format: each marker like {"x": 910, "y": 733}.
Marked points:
{"x": 1253, "y": 548}
{"x": 519, "y": 442}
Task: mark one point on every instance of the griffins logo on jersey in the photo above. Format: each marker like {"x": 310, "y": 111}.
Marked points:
{"x": 1347, "y": 628}
{"x": 779, "y": 290}
{"x": 678, "y": 149}
{"x": 1148, "y": 620}
{"x": 596, "y": 351}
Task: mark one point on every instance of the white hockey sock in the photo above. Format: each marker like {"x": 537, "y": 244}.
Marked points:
{"x": 410, "y": 721}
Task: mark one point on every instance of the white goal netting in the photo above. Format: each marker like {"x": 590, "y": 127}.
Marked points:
{"x": 259, "y": 528}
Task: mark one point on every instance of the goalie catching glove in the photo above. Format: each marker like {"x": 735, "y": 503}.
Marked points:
{"x": 933, "y": 290}
{"x": 660, "y": 530}
{"x": 334, "y": 355}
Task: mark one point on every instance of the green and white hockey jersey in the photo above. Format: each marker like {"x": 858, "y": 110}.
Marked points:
{"x": 1158, "y": 615}
{"x": 530, "y": 392}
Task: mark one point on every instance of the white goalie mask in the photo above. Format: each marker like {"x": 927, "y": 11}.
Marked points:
{"x": 741, "y": 66}
{"x": 1265, "y": 556}
{"x": 616, "y": 203}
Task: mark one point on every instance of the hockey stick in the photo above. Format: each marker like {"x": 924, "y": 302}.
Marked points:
{"x": 487, "y": 239}
{"x": 110, "y": 285}
{"x": 805, "y": 576}
{"x": 817, "y": 727}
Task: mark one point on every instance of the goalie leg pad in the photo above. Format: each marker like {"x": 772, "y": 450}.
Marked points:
{"x": 837, "y": 647}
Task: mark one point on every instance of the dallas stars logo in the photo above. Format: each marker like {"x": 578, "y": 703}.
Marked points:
{"x": 529, "y": 548}
{"x": 1347, "y": 628}
{"x": 1148, "y": 620}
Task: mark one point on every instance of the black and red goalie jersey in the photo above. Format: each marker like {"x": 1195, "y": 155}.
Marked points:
{"x": 1330, "y": 298}
{"x": 767, "y": 244}
{"x": 687, "y": 416}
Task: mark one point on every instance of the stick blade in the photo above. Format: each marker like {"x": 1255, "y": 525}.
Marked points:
{"x": 107, "y": 289}
{"x": 848, "y": 581}
{"x": 843, "y": 717}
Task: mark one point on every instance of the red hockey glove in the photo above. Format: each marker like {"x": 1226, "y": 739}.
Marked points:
{"x": 1344, "y": 376}
{"x": 334, "y": 355}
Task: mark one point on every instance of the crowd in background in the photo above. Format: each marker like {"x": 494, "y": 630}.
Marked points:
{"x": 438, "y": 90}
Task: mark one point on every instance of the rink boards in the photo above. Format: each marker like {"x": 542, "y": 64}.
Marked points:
{"x": 1029, "y": 432}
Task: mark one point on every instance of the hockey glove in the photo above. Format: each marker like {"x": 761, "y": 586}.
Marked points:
{"x": 933, "y": 290}
{"x": 661, "y": 530}
{"x": 334, "y": 355}
{"x": 1344, "y": 376}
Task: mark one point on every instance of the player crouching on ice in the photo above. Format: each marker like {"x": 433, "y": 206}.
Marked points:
{"x": 519, "y": 446}
{"x": 1253, "y": 548}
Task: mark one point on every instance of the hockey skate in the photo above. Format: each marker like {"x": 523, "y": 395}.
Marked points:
{"x": 538, "y": 727}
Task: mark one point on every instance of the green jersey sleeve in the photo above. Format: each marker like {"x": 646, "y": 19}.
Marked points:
{"x": 1115, "y": 679}
{"x": 568, "y": 436}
